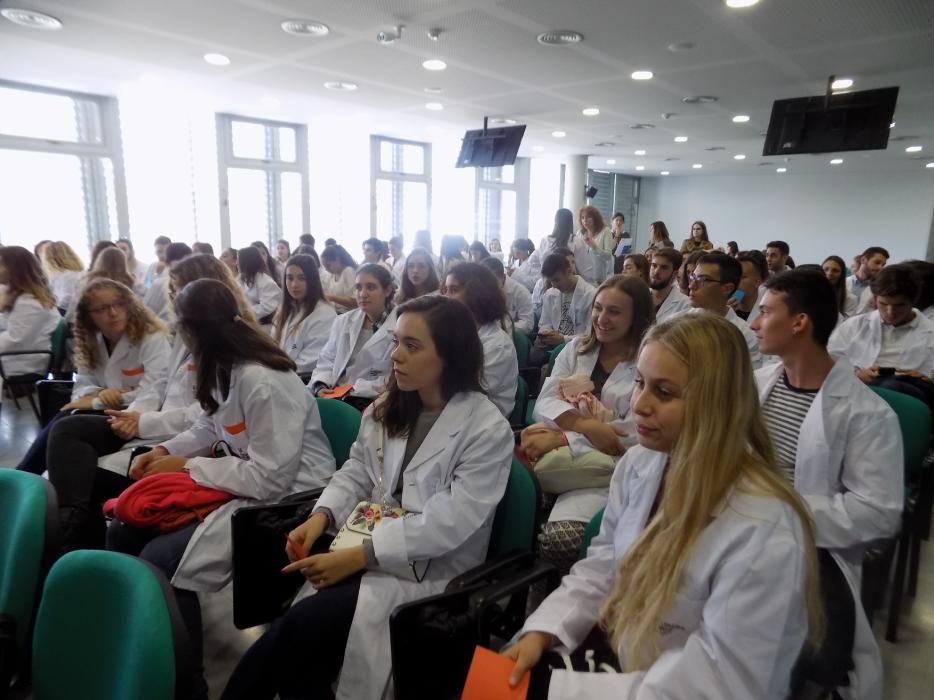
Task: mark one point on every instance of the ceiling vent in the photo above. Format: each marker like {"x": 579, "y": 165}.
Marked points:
{"x": 560, "y": 37}
{"x": 304, "y": 27}
{"x": 699, "y": 99}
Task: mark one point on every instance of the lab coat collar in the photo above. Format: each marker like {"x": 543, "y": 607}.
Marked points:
{"x": 119, "y": 351}
{"x": 836, "y": 384}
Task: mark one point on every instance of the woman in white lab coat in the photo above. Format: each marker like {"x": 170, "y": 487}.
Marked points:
{"x": 705, "y": 572}
{"x": 89, "y": 455}
{"x": 260, "y": 289}
{"x": 433, "y": 444}
{"x": 28, "y": 315}
{"x": 259, "y": 438}
{"x": 64, "y": 269}
{"x": 622, "y": 312}
{"x": 420, "y": 276}
{"x": 357, "y": 350}
{"x": 476, "y": 287}
{"x": 121, "y": 354}
{"x": 303, "y": 322}
{"x": 340, "y": 269}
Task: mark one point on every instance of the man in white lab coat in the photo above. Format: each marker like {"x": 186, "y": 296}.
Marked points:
{"x": 663, "y": 281}
{"x": 565, "y": 307}
{"x": 835, "y": 440}
{"x": 871, "y": 263}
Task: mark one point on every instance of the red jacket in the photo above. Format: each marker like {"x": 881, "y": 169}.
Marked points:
{"x": 165, "y": 502}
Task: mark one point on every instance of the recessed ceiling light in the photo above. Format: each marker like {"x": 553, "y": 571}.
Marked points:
{"x": 737, "y": 4}
{"x": 559, "y": 134}
{"x": 32, "y": 19}
{"x": 665, "y": 172}
{"x": 836, "y": 161}
{"x": 560, "y": 37}
{"x": 217, "y": 59}
{"x": 269, "y": 102}
{"x": 697, "y": 166}
{"x": 610, "y": 161}
{"x": 740, "y": 118}
{"x": 340, "y": 85}
{"x": 681, "y": 139}
{"x": 699, "y": 99}
{"x": 681, "y": 46}
{"x": 640, "y": 167}
{"x": 434, "y": 106}
{"x": 538, "y": 149}
{"x": 305, "y": 27}
{"x": 739, "y": 156}
{"x": 640, "y": 152}
{"x": 913, "y": 149}
{"x": 642, "y": 75}
{"x": 781, "y": 170}
{"x": 841, "y": 84}
{"x": 590, "y": 111}
{"x": 434, "y": 64}
{"x": 929, "y": 165}
{"x": 434, "y": 90}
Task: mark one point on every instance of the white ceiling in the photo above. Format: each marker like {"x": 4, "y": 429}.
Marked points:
{"x": 747, "y": 58}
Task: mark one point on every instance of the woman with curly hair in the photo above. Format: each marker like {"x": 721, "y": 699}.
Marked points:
{"x": 64, "y": 269}
{"x": 121, "y": 355}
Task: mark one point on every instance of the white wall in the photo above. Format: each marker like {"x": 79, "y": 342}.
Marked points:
{"x": 818, "y": 215}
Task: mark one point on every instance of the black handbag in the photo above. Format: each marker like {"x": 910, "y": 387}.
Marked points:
{"x": 261, "y": 592}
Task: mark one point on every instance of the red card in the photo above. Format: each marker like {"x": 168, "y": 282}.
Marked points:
{"x": 488, "y": 678}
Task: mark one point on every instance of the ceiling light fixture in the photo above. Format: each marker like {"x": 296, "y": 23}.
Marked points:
{"x": 665, "y": 172}
{"x": 739, "y": 156}
{"x": 640, "y": 152}
{"x": 559, "y": 134}
{"x": 434, "y": 106}
{"x": 559, "y": 37}
{"x": 642, "y": 75}
{"x": 836, "y": 161}
{"x": 699, "y": 99}
{"x": 841, "y": 84}
{"x": 892, "y": 125}
{"x": 740, "y": 118}
{"x": 305, "y": 27}
{"x": 681, "y": 139}
{"x": 929, "y": 165}
{"x": 739, "y": 4}
{"x": 697, "y": 166}
{"x": 913, "y": 149}
{"x": 340, "y": 85}
{"x": 217, "y": 59}
{"x": 32, "y": 19}
{"x": 434, "y": 64}
{"x": 590, "y": 111}
{"x": 640, "y": 167}
{"x": 781, "y": 170}
{"x": 610, "y": 161}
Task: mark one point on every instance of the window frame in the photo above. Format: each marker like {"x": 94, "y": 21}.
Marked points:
{"x": 521, "y": 183}
{"x": 397, "y": 179}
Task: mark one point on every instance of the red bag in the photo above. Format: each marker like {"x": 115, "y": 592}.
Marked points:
{"x": 165, "y": 502}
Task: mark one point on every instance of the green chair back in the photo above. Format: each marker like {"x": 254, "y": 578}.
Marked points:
{"x": 103, "y": 631}
{"x": 341, "y": 423}
{"x": 914, "y": 419}
{"x": 553, "y": 355}
{"x": 593, "y": 527}
{"x": 522, "y": 398}
{"x": 24, "y": 507}
{"x": 521, "y": 341}
{"x": 58, "y": 346}
{"x": 516, "y": 522}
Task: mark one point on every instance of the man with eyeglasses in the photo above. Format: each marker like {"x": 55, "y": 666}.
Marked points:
{"x": 715, "y": 279}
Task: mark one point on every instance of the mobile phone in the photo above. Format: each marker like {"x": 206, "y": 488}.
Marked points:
{"x": 738, "y": 295}
{"x": 136, "y": 452}
{"x": 886, "y": 371}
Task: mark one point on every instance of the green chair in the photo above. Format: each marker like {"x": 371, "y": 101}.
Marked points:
{"x": 517, "y": 417}
{"x": 914, "y": 419}
{"x": 521, "y": 341}
{"x": 341, "y": 423}
{"x": 108, "y": 628}
{"x": 515, "y": 525}
{"x": 593, "y": 527}
{"x": 26, "y": 383}
{"x": 553, "y": 355}
{"x": 28, "y": 543}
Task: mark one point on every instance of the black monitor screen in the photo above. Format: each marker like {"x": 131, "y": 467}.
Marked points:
{"x": 492, "y": 149}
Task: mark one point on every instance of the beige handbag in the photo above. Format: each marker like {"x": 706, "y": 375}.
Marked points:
{"x": 559, "y": 471}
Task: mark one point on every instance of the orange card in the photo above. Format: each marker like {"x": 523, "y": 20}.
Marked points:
{"x": 337, "y": 392}
{"x": 488, "y": 678}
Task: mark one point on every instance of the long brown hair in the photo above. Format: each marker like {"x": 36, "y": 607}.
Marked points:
{"x": 432, "y": 284}
{"x": 594, "y": 213}
{"x": 140, "y": 321}
{"x": 314, "y": 294}
{"x": 839, "y": 287}
{"x": 25, "y": 277}
{"x": 210, "y": 323}
{"x": 716, "y": 452}
{"x": 643, "y": 314}
{"x": 111, "y": 264}
{"x": 199, "y": 267}
{"x": 58, "y": 256}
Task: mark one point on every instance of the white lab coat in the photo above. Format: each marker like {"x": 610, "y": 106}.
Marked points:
{"x": 519, "y": 305}
{"x": 139, "y": 371}
{"x": 755, "y": 355}
{"x": 372, "y": 365}
{"x": 451, "y": 488}
{"x": 151, "y": 275}
{"x": 342, "y": 286}
{"x": 859, "y": 298}
{"x": 593, "y": 265}
{"x": 848, "y": 469}
{"x": 303, "y": 341}
{"x": 27, "y": 326}
{"x": 273, "y": 428}
{"x": 739, "y": 619}
{"x": 581, "y": 303}
{"x": 859, "y": 340}
{"x": 581, "y": 504}
{"x": 528, "y": 272}
{"x": 64, "y": 284}
{"x": 500, "y": 367}
{"x": 157, "y": 298}
{"x": 674, "y": 303}
{"x": 538, "y": 291}
{"x": 263, "y": 296}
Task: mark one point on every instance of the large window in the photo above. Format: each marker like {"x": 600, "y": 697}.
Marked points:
{"x": 263, "y": 168}
{"x": 400, "y": 187}
{"x": 61, "y": 168}
{"x": 616, "y": 192}
{"x": 502, "y": 203}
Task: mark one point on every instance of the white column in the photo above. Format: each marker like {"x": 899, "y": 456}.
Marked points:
{"x": 575, "y": 180}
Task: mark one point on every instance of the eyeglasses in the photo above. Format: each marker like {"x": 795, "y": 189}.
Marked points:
{"x": 106, "y": 308}
{"x": 701, "y": 280}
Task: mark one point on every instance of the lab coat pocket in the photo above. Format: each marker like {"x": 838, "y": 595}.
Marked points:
{"x": 131, "y": 377}
{"x": 428, "y": 479}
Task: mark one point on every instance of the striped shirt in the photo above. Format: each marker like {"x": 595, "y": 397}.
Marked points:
{"x": 784, "y": 411}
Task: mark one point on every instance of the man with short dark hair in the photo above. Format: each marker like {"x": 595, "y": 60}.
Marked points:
{"x": 373, "y": 253}
{"x": 716, "y": 276}
{"x": 870, "y": 264}
{"x": 755, "y": 272}
{"x": 566, "y": 305}
{"x": 518, "y": 299}
{"x": 837, "y": 442}
{"x": 158, "y": 268}
{"x": 776, "y": 255}
{"x": 663, "y": 281}
{"x": 895, "y": 337}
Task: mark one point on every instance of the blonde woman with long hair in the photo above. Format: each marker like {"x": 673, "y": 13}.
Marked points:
{"x": 704, "y": 577}
{"x": 64, "y": 269}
